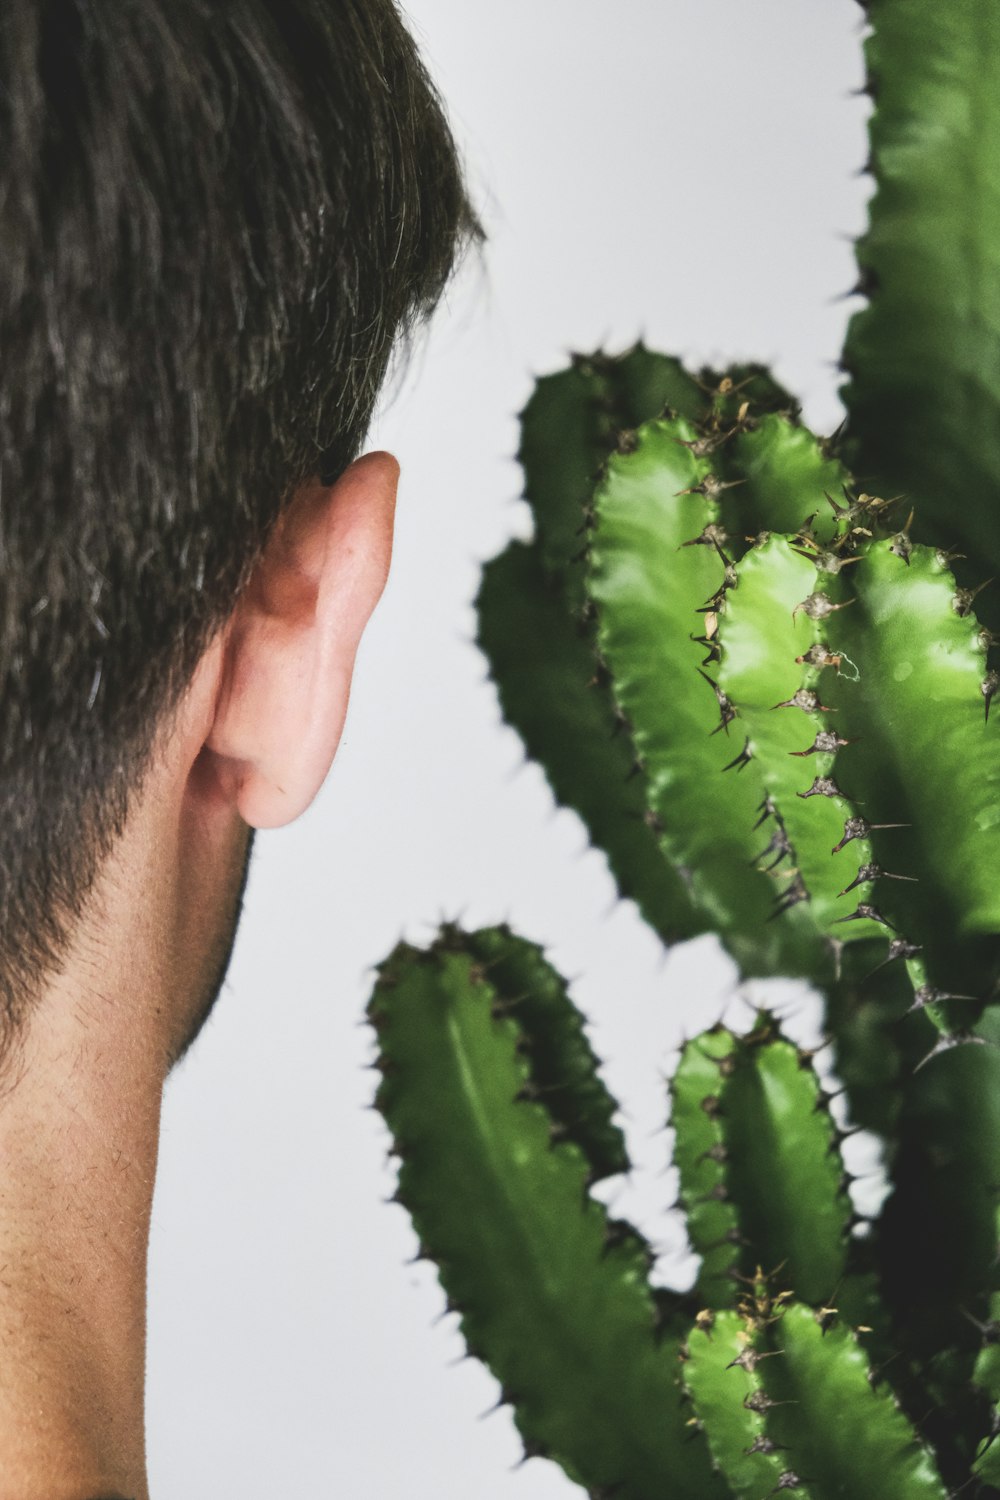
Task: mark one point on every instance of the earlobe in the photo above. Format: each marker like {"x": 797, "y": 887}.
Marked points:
{"x": 288, "y": 658}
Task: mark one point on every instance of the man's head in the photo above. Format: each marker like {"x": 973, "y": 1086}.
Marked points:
{"x": 217, "y": 218}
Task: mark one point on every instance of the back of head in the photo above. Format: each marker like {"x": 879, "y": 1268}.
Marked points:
{"x": 217, "y": 217}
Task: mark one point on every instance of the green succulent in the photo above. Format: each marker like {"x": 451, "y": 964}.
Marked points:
{"x": 759, "y": 664}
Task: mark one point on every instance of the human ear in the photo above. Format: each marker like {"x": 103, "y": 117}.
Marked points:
{"x": 289, "y": 648}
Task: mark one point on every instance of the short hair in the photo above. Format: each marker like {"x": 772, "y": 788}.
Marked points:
{"x": 218, "y": 219}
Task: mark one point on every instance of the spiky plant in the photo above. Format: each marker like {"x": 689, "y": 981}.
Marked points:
{"x": 759, "y": 666}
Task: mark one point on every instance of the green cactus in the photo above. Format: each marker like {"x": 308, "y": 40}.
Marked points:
{"x": 759, "y": 664}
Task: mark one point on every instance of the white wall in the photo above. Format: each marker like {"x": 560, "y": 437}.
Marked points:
{"x": 675, "y": 168}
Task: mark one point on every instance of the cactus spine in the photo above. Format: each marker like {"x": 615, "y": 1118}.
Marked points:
{"x": 760, "y": 665}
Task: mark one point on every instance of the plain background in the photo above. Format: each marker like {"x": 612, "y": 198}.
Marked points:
{"x": 687, "y": 170}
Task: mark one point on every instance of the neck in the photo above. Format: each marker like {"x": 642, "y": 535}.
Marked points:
{"x": 77, "y": 1166}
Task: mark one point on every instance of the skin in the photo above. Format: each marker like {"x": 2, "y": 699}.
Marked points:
{"x": 248, "y": 748}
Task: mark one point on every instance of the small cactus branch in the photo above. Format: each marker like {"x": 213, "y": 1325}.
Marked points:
{"x": 570, "y": 424}
{"x": 649, "y": 587}
{"x": 721, "y": 1373}
{"x": 553, "y": 1296}
{"x": 842, "y": 1435}
{"x": 923, "y": 357}
{"x": 787, "y": 476}
{"x": 700, "y": 1155}
{"x": 784, "y": 1172}
{"x": 769, "y": 648}
{"x": 925, "y": 757}
{"x": 561, "y": 1061}
{"x": 543, "y": 663}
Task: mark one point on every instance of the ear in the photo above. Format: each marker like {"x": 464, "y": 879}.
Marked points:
{"x": 288, "y": 654}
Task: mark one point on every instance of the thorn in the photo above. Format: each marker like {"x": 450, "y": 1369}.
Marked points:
{"x": 926, "y": 994}
{"x": 795, "y": 893}
{"x": 827, "y": 741}
{"x": 860, "y": 828}
{"x": 962, "y": 599}
{"x": 873, "y": 871}
{"x": 713, "y": 534}
{"x": 768, "y": 811}
{"x": 788, "y": 1481}
{"x": 532, "y": 1449}
{"x": 764, "y": 1444}
{"x": 779, "y": 842}
{"x": 818, "y": 606}
{"x": 946, "y": 1043}
{"x": 726, "y": 710}
{"x": 823, "y": 786}
{"x": 739, "y": 761}
{"x": 820, "y": 655}
{"x": 710, "y": 487}
{"x": 901, "y": 546}
{"x": 898, "y": 948}
{"x": 988, "y": 687}
{"x": 751, "y": 1358}
{"x": 806, "y": 699}
{"x": 701, "y": 448}
{"x": 866, "y": 913}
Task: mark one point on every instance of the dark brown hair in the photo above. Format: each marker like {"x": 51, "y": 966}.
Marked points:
{"x": 217, "y": 220}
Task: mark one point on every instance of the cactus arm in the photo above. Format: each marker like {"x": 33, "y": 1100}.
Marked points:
{"x": 700, "y": 1157}
{"x": 544, "y": 667}
{"x": 926, "y": 758}
{"x": 721, "y": 1376}
{"x": 569, "y": 426}
{"x": 923, "y": 356}
{"x": 562, "y": 1062}
{"x": 764, "y": 634}
{"x": 648, "y": 587}
{"x": 932, "y": 666}
{"x": 784, "y": 1171}
{"x": 840, "y": 1432}
{"x": 552, "y": 1296}
{"x": 786, "y": 477}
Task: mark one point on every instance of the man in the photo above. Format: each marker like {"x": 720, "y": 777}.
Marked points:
{"x": 218, "y": 217}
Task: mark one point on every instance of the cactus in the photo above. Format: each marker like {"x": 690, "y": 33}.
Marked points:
{"x": 760, "y": 665}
